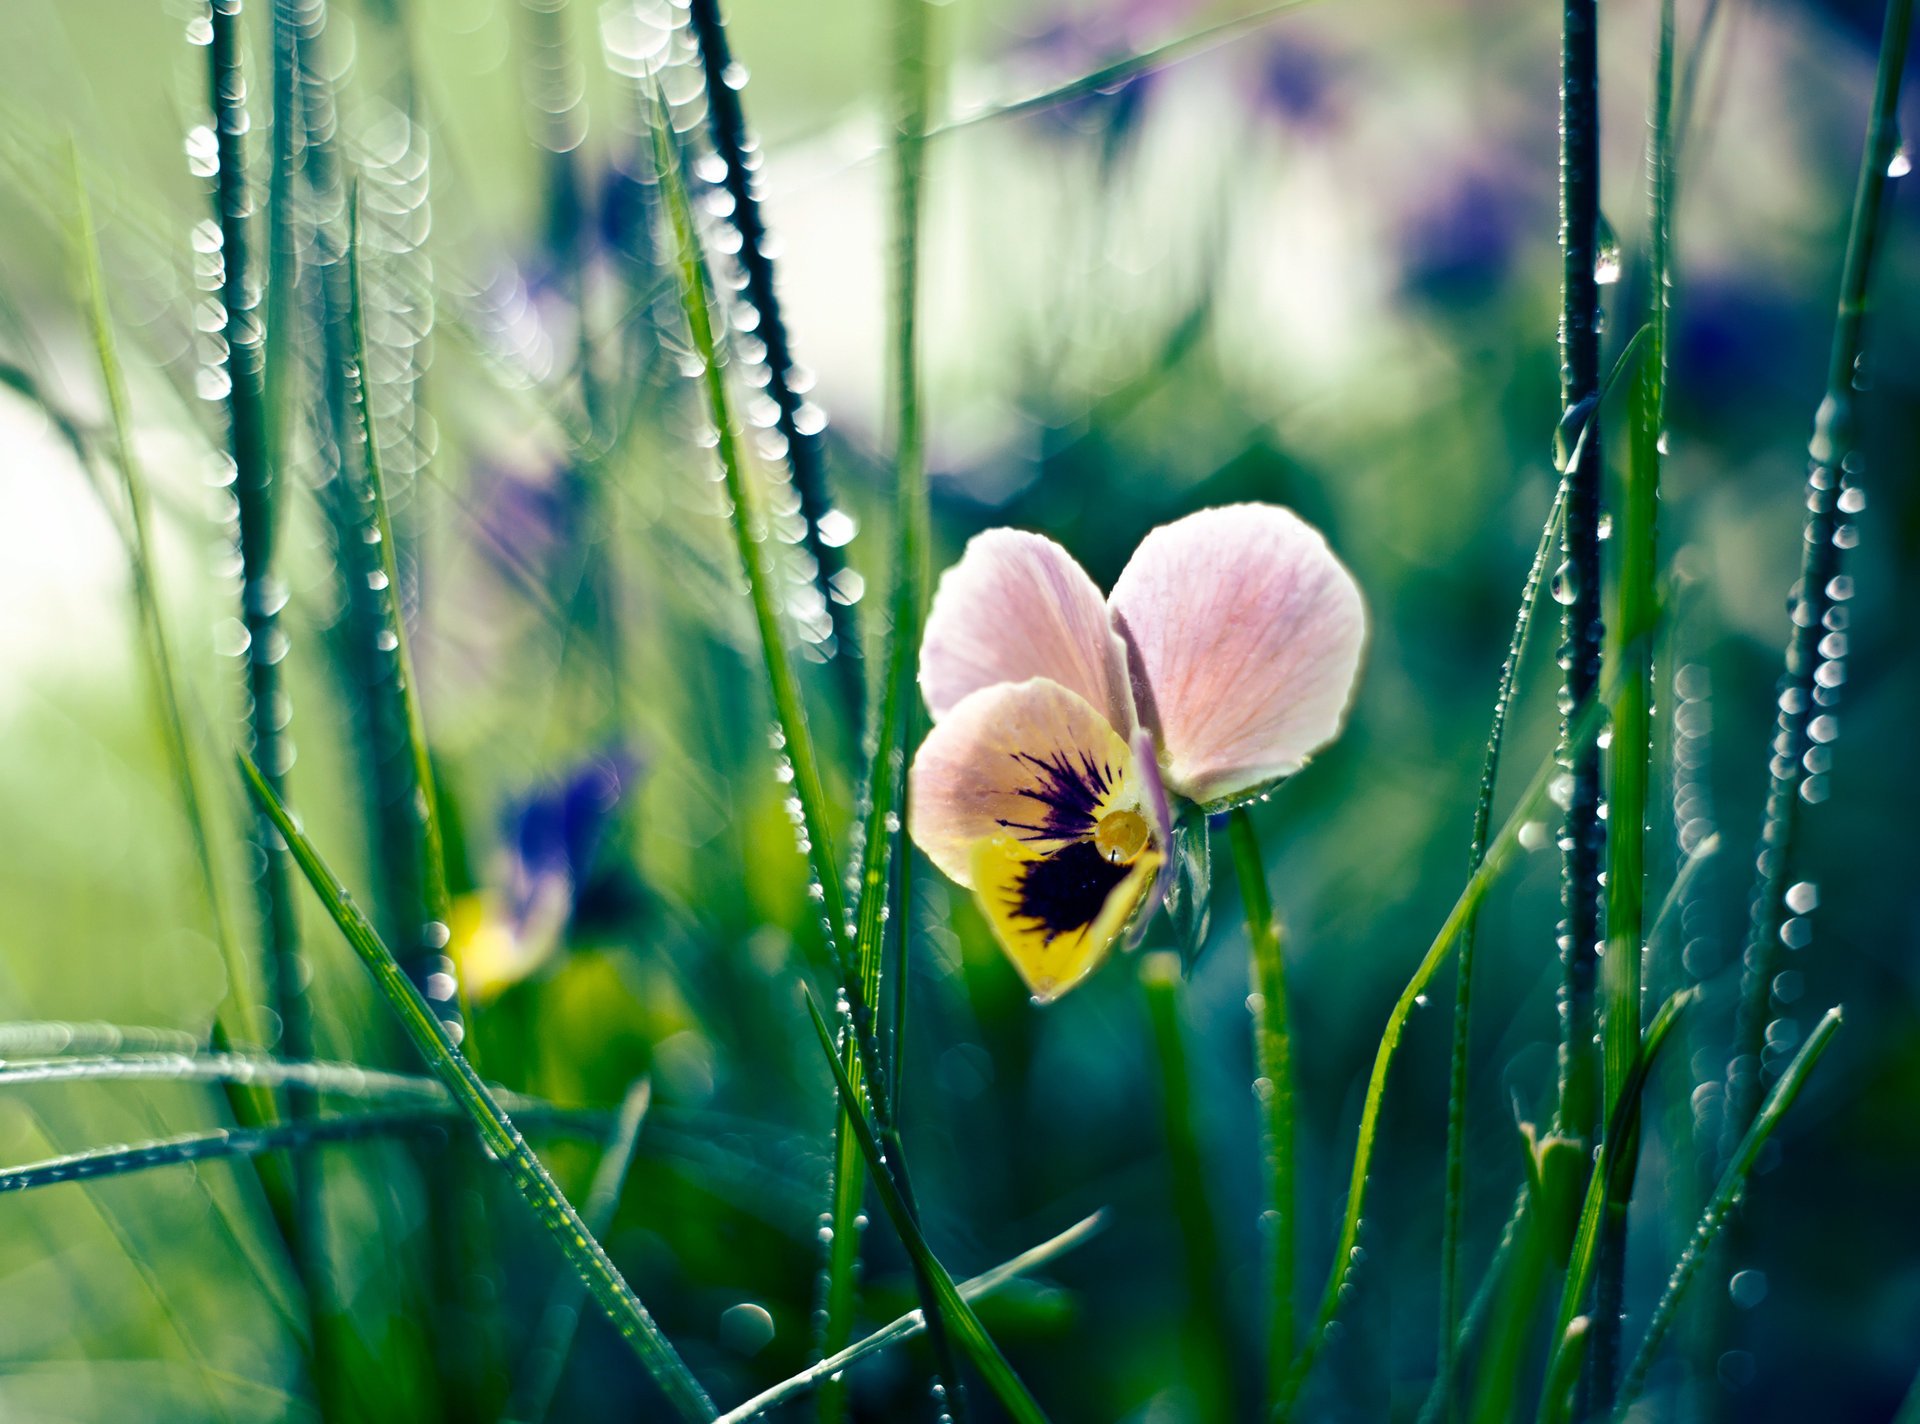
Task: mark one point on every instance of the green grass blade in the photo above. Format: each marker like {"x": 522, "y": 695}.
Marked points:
{"x": 886, "y": 810}
{"x": 1579, "y": 1109}
{"x": 546, "y": 1360}
{"x": 907, "y": 1326}
{"x": 965, "y": 1325}
{"x": 750, "y": 533}
{"x": 1833, "y": 460}
{"x": 805, "y": 438}
{"x": 405, "y": 688}
{"x": 252, "y": 1141}
{"x": 1273, "y": 1061}
{"x": 1209, "y": 1373}
{"x": 1584, "y": 723}
{"x": 1611, "y": 1181}
{"x": 1563, "y": 1371}
{"x": 1454, "y": 1207}
{"x": 36, "y": 1038}
{"x": 238, "y": 1012}
{"x": 1726, "y": 1197}
{"x": 1637, "y": 615}
{"x": 498, "y": 1135}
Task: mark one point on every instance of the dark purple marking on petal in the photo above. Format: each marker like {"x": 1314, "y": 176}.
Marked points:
{"x": 1064, "y": 892}
{"x": 1070, "y": 793}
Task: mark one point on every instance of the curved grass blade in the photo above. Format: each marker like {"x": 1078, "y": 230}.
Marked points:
{"x": 1563, "y": 1371}
{"x": 959, "y": 1316}
{"x": 1726, "y": 1197}
{"x": 1810, "y": 684}
{"x": 546, "y": 1361}
{"x": 224, "y": 1142}
{"x": 498, "y": 1135}
{"x": 1584, "y": 722}
{"x": 1273, "y": 1061}
{"x": 911, "y": 1324}
{"x": 40, "y": 1037}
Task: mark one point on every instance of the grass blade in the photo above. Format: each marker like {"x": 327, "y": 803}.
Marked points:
{"x": 959, "y": 1316}
{"x": 1810, "y": 685}
{"x": 547, "y": 1359}
{"x": 800, "y": 426}
{"x": 1209, "y": 1373}
{"x": 907, "y": 1326}
{"x": 1637, "y": 614}
{"x": 1454, "y": 1208}
{"x": 1584, "y": 722}
{"x": 1726, "y": 1197}
{"x": 223, "y": 1142}
{"x": 1273, "y": 1061}
{"x": 498, "y": 1135}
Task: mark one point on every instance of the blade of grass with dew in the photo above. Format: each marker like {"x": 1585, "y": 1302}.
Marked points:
{"x": 1564, "y": 1371}
{"x": 434, "y": 911}
{"x": 1637, "y": 616}
{"x": 1726, "y": 1197}
{"x": 1809, "y": 687}
{"x": 1209, "y": 1373}
{"x": 1613, "y": 1164}
{"x": 255, "y": 497}
{"x": 498, "y": 1135}
{"x": 1577, "y": 584}
{"x": 251, "y": 1141}
{"x": 1585, "y": 722}
{"x": 238, "y": 1015}
{"x": 800, "y": 426}
{"x": 886, "y": 776}
{"x": 546, "y": 1359}
{"x": 348, "y": 1080}
{"x": 967, "y": 1329}
{"x": 1273, "y": 1062}
{"x": 1454, "y": 1207}
{"x": 913, "y": 1323}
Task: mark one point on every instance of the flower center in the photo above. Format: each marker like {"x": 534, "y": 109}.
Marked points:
{"x": 1120, "y": 836}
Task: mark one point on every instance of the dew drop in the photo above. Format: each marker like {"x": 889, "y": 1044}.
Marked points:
{"x": 1606, "y": 253}
{"x": 1900, "y": 165}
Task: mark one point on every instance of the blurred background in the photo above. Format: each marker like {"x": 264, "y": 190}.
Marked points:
{"x": 1312, "y": 261}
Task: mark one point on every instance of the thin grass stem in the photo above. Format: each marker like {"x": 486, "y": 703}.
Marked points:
{"x": 1274, "y": 1090}
{"x": 498, "y": 1135}
{"x": 1725, "y": 1199}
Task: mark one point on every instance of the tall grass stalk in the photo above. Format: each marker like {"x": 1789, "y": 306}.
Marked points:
{"x": 1637, "y": 615}
{"x": 1454, "y": 1206}
{"x": 1815, "y": 656}
{"x": 238, "y": 1013}
{"x": 886, "y": 778}
{"x": 1725, "y": 1199}
{"x": 1273, "y": 1062}
{"x": 498, "y": 1136}
{"x": 947, "y": 1304}
{"x": 254, "y": 487}
{"x": 1584, "y": 723}
{"x": 800, "y": 426}
{"x": 1577, "y": 584}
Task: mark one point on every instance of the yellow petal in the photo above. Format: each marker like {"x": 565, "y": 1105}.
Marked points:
{"x": 1057, "y": 910}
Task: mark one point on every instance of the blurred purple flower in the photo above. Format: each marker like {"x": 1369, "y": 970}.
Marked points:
{"x": 1460, "y": 237}
{"x": 1739, "y": 341}
{"x": 553, "y": 835}
{"x": 1295, "y": 80}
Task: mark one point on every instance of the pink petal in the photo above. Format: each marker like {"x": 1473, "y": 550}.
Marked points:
{"x": 1243, "y": 634}
{"x": 1017, "y": 606}
{"x": 983, "y": 771}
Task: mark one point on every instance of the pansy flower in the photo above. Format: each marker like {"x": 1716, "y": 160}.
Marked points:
{"x": 1068, "y": 728}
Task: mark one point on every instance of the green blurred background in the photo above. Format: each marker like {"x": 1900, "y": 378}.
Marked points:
{"x": 1314, "y": 264}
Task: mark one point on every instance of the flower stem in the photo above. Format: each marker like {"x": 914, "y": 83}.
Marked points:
{"x": 1273, "y": 1060}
